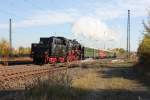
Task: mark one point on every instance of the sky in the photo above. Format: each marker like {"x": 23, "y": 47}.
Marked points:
{"x": 94, "y": 23}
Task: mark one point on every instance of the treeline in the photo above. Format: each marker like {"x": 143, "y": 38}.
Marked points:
{"x": 144, "y": 48}
{"x": 21, "y": 51}
{"x": 120, "y": 52}
{"x": 15, "y": 52}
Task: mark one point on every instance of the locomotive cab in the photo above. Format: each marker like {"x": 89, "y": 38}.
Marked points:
{"x": 38, "y": 53}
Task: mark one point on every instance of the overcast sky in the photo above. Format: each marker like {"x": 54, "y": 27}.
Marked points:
{"x": 92, "y": 22}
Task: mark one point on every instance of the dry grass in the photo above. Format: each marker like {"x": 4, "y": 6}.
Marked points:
{"x": 120, "y": 83}
{"x": 87, "y": 82}
{"x": 93, "y": 81}
{"x": 56, "y": 88}
{"x": 111, "y": 88}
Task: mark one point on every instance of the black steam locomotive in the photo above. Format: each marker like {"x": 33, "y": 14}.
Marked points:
{"x": 60, "y": 49}
{"x": 56, "y": 49}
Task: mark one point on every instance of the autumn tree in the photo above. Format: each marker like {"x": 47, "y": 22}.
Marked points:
{"x": 24, "y": 51}
{"x": 4, "y": 51}
{"x": 4, "y": 47}
{"x": 144, "y": 46}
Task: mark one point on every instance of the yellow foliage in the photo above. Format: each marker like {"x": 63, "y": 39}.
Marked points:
{"x": 144, "y": 47}
{"x": 4, "y": 47}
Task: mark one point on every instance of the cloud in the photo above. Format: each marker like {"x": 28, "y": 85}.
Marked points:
{"x": 44, "y": 18}
{"x": 105, "y": 13}
{"x": 4, "y": 26}
{"x": 138, "y": 8}
{"x": 118, "y": 8}
{"x": 47, "y": 18}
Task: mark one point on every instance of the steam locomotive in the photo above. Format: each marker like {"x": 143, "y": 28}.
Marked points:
{"x": 60, "y": 49}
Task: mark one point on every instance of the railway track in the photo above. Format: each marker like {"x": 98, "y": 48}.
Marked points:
{"x": 10, "y": 75}
{"x": 22, "y": 74}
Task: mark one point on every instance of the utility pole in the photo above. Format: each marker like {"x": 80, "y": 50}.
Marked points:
{"x": 93, "y": 53}
{"x": 128, "y": 35}
{"x": 129, "y": 29}
{"x": 104, "y": 40}
{"x": 10, "y": 37}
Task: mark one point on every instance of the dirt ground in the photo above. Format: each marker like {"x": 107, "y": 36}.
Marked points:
{"x": 110, "y": 83}
{"x": 105, "y": 82}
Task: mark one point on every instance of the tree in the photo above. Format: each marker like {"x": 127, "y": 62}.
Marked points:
{"x": 4, "y": 47}
{"x": 120, "y": 52}
{"x": 144, "y": 50}
{"x": 144, "y": 47}
{"x": 4, "y": 50}
{"x": 21, "y": 50}
{"x": 24, "y": 51}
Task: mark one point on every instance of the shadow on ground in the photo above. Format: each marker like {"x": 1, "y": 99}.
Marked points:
{"x": 75, "y": 94}
{"x": 120, "y": 72}
{"x": 127, "y": 72}
{"x": 17, "y": 62}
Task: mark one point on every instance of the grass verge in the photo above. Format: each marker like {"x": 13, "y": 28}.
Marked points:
{"x": 57, "y": 88}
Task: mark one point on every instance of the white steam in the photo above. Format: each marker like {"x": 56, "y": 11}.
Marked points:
{"x": 93, "y": 32}
{"x": 93, "y": 28}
